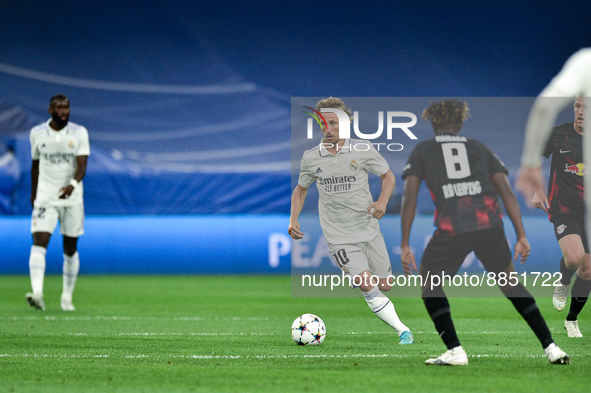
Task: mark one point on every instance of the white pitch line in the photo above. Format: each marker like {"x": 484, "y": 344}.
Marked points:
{"x": 125, "y": 318}
{"x": 258, "y": 357}
{"x": 100, "y": 334}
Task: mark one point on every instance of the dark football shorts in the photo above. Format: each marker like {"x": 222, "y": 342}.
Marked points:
{"x": 445, "y": 254}
{"x": 569, "y": 224}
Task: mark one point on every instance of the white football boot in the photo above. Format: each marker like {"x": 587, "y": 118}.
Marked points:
{"x": 452, "y": 357}
{"x": 559, "y": 297}
{"x": 572, "y": 329}
{"x": 556, "y": 355}
{"x": 66, "y": 303}
{"x": 35, "y": 301}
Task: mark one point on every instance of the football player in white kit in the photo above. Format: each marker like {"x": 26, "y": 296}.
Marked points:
{"x": 348, "y": 215}
{"x": 59, "y": 150}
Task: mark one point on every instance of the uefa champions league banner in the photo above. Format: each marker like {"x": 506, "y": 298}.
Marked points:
{"x": 241, "y": 244}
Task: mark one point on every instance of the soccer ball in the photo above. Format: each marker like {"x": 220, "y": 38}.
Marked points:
{"x": 308, "y": 329}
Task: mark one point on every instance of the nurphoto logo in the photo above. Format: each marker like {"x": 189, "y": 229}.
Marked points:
{"x": 345, "y": 123}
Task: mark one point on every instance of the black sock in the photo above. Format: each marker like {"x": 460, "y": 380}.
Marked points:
{"x": 525, "y": 304}
{"x": 565, "y": 274}
{"x": 439, "y": 311}
{"x": 579, "y": 295}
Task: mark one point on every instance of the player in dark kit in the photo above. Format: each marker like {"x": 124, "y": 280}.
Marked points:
{"x": 565, "y": 206}
{"x": 464, "y": 178}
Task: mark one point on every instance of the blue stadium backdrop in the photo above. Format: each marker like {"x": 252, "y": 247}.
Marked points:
{"x": 188, "y": 106}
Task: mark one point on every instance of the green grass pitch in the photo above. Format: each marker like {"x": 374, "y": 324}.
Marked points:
{"x": 232, "y": 334}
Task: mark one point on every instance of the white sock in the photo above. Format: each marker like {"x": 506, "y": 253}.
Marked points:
{"x": 37, "y": 269}
{"x": 384, "y": 309}
{"x": 71, "y": 269}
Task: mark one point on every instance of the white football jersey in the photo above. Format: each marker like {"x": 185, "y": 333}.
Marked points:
{"x": 573, "y": 79}
{"x": 343, "y": 188}
{"x": 57, "y": 152}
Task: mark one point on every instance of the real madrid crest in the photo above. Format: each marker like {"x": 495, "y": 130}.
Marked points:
{"x": 353, "y": 165}
{"x": 71, "y": 144}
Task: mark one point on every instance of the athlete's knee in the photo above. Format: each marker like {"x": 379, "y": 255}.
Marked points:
{"x": 365, "y": 281}
{"x": 384, "y": 285}
{"x": 41, "y": 239}
{"x": 584, "y": 272}
{"x": 573, "y": 258}
{"x": 70, "y": 245}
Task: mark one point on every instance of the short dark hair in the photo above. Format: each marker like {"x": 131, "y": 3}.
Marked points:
{"x": 446, "y": 112}
{"x": 57, "y": 97}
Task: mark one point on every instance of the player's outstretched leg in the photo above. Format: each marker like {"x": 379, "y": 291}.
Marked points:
{"x": 384, "y": 309}
{"x": 439, "y": 311}
{"x": 525, "y": 304}
{"x": 37, "y": 272}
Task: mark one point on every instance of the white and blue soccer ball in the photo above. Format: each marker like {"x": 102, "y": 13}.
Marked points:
{"x": 308, "y": 329}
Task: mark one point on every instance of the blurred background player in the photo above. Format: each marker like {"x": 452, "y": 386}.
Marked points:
{"x": 573, "y": 80}
{"x": 348, "y": 215}
{"x": 60, "y": 152}
{"x": 565, "y": 205}
{"x": 464, "y": 178}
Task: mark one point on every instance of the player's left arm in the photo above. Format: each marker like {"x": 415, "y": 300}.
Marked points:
{"x": 388, "y": 184}
{"x": 81, "y": 162}
{"x": 502, "y": 186}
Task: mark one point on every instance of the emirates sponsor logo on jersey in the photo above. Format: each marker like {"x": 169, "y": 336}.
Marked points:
{"x": 461, "y": 189}
{"x": 58, "y": 158}
{"x": 577, "y": 169}
{"x": 336, "y": 183}
{"x": 336, "y": 180}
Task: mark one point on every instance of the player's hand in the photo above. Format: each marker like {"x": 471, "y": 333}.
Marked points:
{"x": 529, "y": 182}
{"x": 377, "y": 209}
{"x": 407, "y": 258}
{"x": 294, "y": 230}
{"x": 522, "y": 248}
{"x": 540, "y": 201}
{"x": 65, "y": 192}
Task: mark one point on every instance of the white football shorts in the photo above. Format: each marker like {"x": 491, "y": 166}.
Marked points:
{"x": 355, "y": 258}
{"x": 71, "y": 218}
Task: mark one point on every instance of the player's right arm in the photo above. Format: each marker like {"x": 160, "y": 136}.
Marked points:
{"x": 407, "y": 216}
{"x": 34, "y": 180}
{"x": 297, "y": 203}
